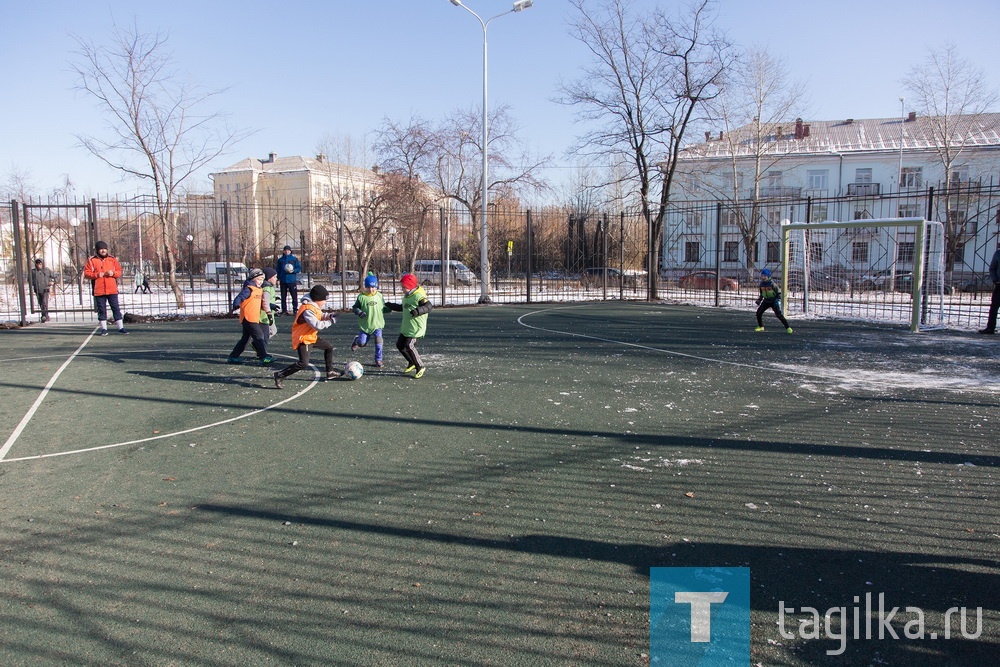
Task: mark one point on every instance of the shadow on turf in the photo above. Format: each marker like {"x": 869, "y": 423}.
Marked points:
{"x": 797, "y": 577}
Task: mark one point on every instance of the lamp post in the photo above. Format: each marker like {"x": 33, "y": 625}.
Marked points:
{"x": 75, "y": 224}
{"x": 190, "y": 240}
{"x": 484, "y": 255}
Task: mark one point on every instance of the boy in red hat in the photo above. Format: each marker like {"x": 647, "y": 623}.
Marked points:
{"x": 415, "y": 308}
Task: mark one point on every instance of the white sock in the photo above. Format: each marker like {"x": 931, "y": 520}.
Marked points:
{"x": 104, "y": 325}
{"x": 121, "y": 324}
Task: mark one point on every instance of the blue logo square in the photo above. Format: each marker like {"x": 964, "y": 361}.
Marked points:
{"x": 699, "y": 616}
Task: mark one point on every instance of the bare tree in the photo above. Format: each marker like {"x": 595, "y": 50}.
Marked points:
{"x": 651, "y": 74}
{"x": 156, "y": 132}
{"x": 952, "y": 95}
{"x": 756, "y": 100}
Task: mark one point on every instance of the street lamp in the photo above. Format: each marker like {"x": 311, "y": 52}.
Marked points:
{"x": 75, "y": 223}
{"x": 484, "y": 256}
{"x": 190, "y": 240}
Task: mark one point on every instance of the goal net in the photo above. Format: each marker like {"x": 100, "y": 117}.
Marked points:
{"x": 887, "y": 270}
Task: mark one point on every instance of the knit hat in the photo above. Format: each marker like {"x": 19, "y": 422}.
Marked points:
{"x": 408, "y": 281}
{"x": 38, "y": 261}
{"x": 100, "y": 245}
{"x": 371, "y": 281}
{"x": 766, "y": 273}
{"x": 255, "y": 273}
{"x": 319, "y": 293}
{"x": 287, "y": 247}
{"x": 269, "y": 273}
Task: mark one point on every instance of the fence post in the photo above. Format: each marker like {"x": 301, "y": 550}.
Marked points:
{"x": 18, "y": 270}
{"x": 718, "y": 249}
{"x": 529, "y": 269}
{"x": 444, "y": 254}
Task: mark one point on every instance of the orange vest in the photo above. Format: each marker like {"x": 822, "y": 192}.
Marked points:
{"x": 250, "y": 308}
{"x": 302, "y": 331}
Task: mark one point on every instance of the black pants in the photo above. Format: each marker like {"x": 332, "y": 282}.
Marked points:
{"x": 771, "y": 304}
{"x": 253, "y": 334}
{"x": 991, "y": 320}
{"x": 43, "y": 303}
{"x": 408, "y": 348}
{"x": 303, "y": 362}
{"x": 285, "y": 289}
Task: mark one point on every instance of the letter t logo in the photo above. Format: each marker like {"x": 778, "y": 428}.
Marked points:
{"x": 701, "y": 612}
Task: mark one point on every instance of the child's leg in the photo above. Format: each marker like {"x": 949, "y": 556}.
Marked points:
{"x": 242, "y": 344}
{"x": 300, "y": 365}
{"x": 760, "y": 312}
{"x": 403, "y": 345}
{"x": 327, "y": 348}
{"x": 361, "y": 339}
{"x": 411, "y": 353}
{"x": 781, "y": 316}
{"x": 257, "y": 339}
{"x": 377, "y": 334}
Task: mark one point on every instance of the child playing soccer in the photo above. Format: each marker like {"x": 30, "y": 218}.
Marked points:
{"x": 770, "y": 297}
{"x": 415, "y": 307}
{"x": 309, "y": 321}
{"x": 271, "y": 299}
{"x": 252, "y": 306}
{"x": 370, "y": 308}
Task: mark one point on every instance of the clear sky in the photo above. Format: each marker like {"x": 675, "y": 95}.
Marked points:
{"x": 299, "y": 70}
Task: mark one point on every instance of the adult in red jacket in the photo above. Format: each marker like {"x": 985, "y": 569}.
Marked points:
{"x": 103, "y": 271}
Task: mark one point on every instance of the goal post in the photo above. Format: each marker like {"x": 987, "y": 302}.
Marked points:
{"x": 886, "y": 270}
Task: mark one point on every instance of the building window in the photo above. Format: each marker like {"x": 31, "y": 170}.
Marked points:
{"x": 816, "y": 252}
{"x": 909, "y": 211}
{"x": 773, "y": 179}
{"x": 912, "y": 177}
{"x": 692, "y": 251}
{"x": 905, "y": 252}
{"x": 959, "y": 256}
{"x": 731, "y": 251}
{"x": 863, "y": 175}
{"x": 773, "y": 252}
{"x": 819, "y": 213}
{"x": 859, "y": 252}
{"x": 862, "y": 214}
{"x": 958, "y": 177}
{"x": 818, "y": 179}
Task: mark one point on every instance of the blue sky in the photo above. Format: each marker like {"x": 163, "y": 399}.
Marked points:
{"x": 297, "y": 71}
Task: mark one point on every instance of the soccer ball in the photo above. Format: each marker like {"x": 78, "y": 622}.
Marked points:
{"x": 289, "y": 267}
{"x": 353, "y": 370}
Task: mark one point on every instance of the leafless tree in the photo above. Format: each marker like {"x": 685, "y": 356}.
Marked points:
{"x": 756, "y": 99}
{"x": 156, "y": 131}
{"x": 650, "y": 76}
{"x": 952, "y": 95}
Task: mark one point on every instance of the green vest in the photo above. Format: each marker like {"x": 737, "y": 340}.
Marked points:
{"x": 413, "y": 327}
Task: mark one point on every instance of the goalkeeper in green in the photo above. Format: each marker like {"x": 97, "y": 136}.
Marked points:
{"x": 770, "y": 298}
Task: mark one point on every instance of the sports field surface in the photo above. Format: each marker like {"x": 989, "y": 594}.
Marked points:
{"x": 160, "y": 507}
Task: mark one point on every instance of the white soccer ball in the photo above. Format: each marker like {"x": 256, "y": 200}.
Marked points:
{"x": 289, "y": 267}
{"x": 353, "y": 370}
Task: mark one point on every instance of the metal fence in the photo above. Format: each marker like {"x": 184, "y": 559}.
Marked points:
{"x": 539, "y": 255}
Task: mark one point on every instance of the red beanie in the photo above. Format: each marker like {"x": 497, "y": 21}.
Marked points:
{"x": 409, "y": 282}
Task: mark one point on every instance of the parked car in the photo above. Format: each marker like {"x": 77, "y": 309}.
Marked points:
{"x": 349, "y": 278}
{"x": 882, "y": 280}
{"x": 822, "y": 280}
{"x": 596, "y": 276}
{"x": 707, "y": 280}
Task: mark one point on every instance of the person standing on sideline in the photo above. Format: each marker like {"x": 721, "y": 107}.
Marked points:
{"x": 41, "y": 281}
{"x": 371, "y": 309}
{"x": 991, "y": 319}
{"x": 288, "y": 268}
{"x": 309, "y": 321}
{"x": 770, "y": 298}
{"x": 415, "y": 307}
{"x": 103, "y": 271}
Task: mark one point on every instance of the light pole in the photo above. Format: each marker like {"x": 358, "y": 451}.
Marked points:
{"x": 484, "y": 255}
{"x": 75, "y": 224}
{"x": 190, "y": 240}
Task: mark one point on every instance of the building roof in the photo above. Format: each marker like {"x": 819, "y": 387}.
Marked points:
{"x": 296, "y": 163}
{"x": 803, "y": 137}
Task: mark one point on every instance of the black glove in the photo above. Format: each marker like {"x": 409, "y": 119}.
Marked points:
{"x": 414, "y": 313}
{"x": 361, "y": 313}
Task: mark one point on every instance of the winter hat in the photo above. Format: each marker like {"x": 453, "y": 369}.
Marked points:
{"x": 255, "y": 272}
{"x": 766, "y": 273}
{"x": 409, "y": 282}
{"x": 100, "y": 245}
{"x": 371, "y": 281}
{"x": 287, "y": 247}
{"x": 38, "y": 261}
{"x": 319, "y": 293}
{"x": 269, "y": 273}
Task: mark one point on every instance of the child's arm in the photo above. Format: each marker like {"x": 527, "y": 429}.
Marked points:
{"x": 241, "y": 297}
{"x": 393, "y": 307}
{"x": 424, "y": 307}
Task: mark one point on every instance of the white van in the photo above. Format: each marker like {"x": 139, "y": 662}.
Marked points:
{"x": 428, "y": 271}
{"x": 215, "y": 272}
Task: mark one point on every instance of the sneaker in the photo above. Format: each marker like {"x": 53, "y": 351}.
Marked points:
{"x": 788, "y": 330}
{"x": 409, "y": 368}
{"x": 123, "y": 331}
{"x": 378, "y": 363}
{"x": 419, "y": 374}
{"x": 278, "y": 382}
{"x": 104, "y": 332}
{"x": 267, "y": 361}
{"x": 354, "y": 345}
{"x": 234, "y": 360}
{"x": 333, "y": 375}
{"x": 758, "y": 328}
{"x": 987, "y": 331}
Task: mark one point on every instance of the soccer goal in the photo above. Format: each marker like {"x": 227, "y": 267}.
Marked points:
{"x": 887, "y": 270}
